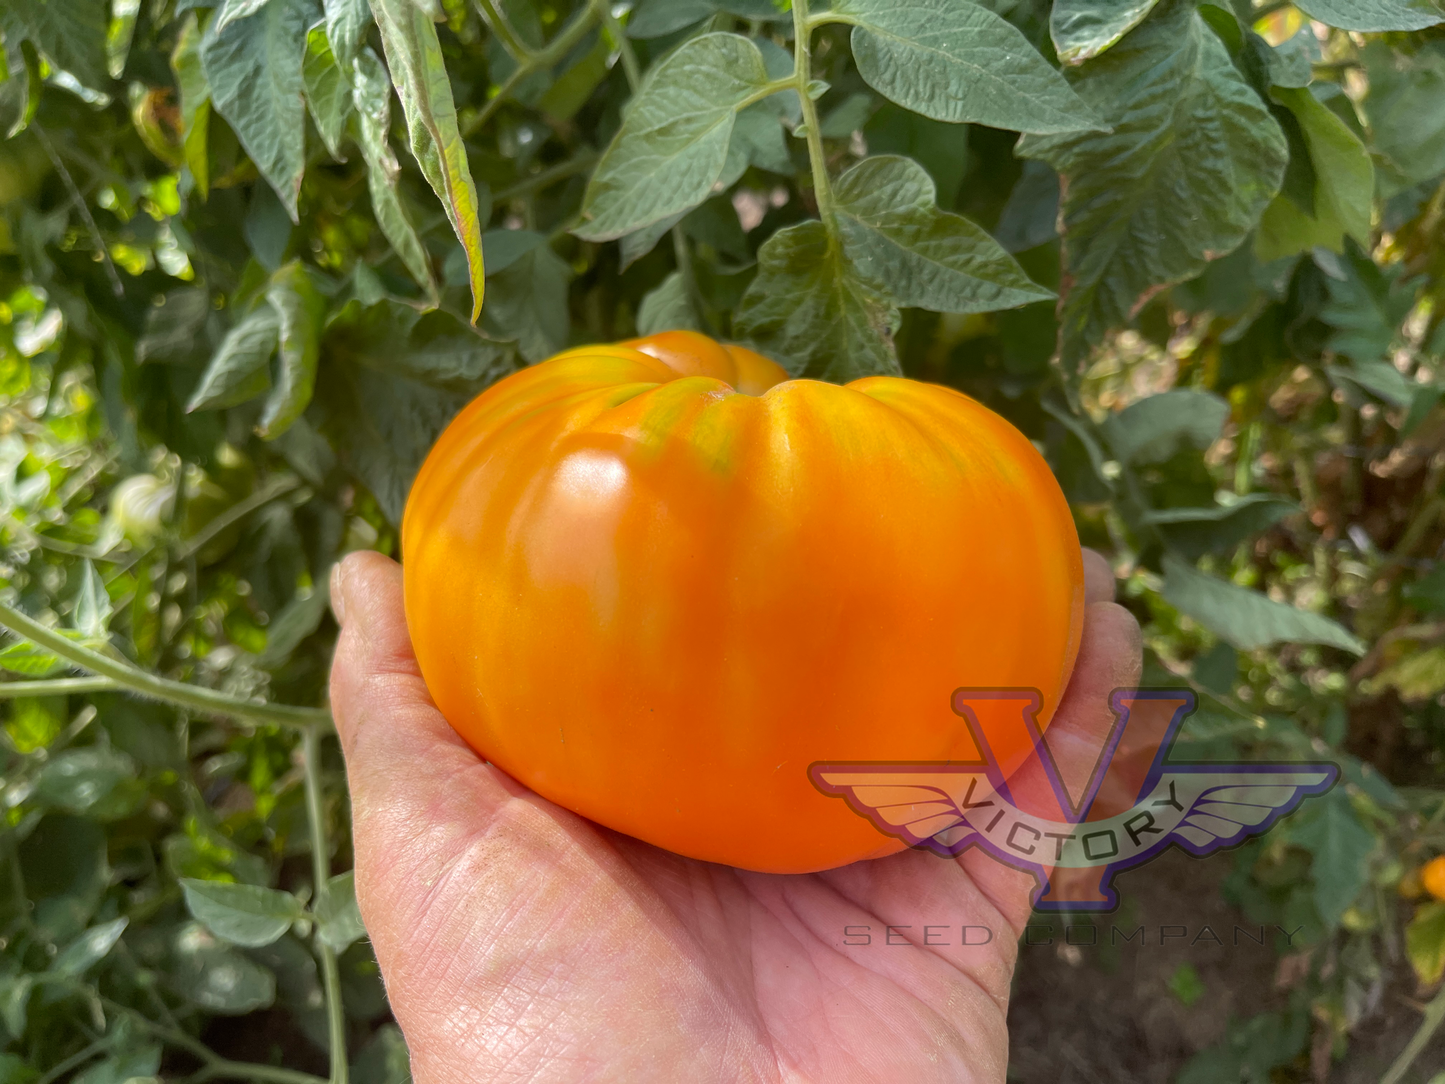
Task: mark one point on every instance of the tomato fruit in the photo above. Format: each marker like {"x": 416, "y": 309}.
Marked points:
{"x": 656, "y": 581}
{"x": 1432, "y": 877}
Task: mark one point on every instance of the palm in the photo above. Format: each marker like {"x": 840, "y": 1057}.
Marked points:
{"x": 519, "y": 941}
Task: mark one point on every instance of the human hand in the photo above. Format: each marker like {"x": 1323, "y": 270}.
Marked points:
{"x": 521, "y": 942}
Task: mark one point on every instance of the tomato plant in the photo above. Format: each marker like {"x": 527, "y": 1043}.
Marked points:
{"x": 255, "y": 255}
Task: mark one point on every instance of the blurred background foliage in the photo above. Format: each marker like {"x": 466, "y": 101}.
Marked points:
{"x": 241, "y": 249}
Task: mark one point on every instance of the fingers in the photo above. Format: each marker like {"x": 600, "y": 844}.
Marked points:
{"x": 1098, "y": 578}
{"x": 400, "y": 752}
{"x": 1110, "y": 657}
{"x": 380, "y": 702}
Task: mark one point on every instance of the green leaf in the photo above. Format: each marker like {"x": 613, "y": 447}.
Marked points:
{"x": 254, "y": 69}
{"x": 1420, "y": 675}
{"x": 1366, "y": 307}
{"x": 88, "y": 949}
{"x": 1407, "y": 124}
{"x": 1251, "y": 1050}
{"x": 1340, "y": 846}
{"x": 63, "y": 862}
{"x": 1375, "y": 15}
{"x": 36, "y": 721}
{"x": 1186, "y": 985}
{"x": 383, "y": 1060}
{"x": 383, "y": 426}
{"x": 1344, "y": 188}
{"x": 658, "y": 18}
{"x": 173, "y": 327}
{"x": 1376, "y": 378}
{"x": 847, "y": 117}
{"x": 14, "y": 1003}
{"x": 246, "y": 915}
{"x": 346, "y": 24}
{"x": 639, "y": 243}
{"x": 1082, "y": 29}
{"x": 203, "y": 852}
{"x": 1030, "y": 216}
{"x": 937, "y": 146}
{"x": 1193, "y": 159}
{"x": 1290, "y": 61}
{"x": 1427, "y": 594}
{"x": 338, "y": 918}
{"x": 503, "y": 248}
{"x": 31, "y": 660}
{"x": 372, "y": 99}
{"x": 667, "y": 308}
{"x": 915, "y": 255}
{"x": 1425, "y": 942}
{"x": 674, "y": 138}
{"x": 960, "y": 62}
{"x": 808, "y": 309}
{"x": 297, "y": 620}
{"x": 195, "y": 101}
{"x": 20, "y": 91}
{"x": 1245, "y": 618}
{"x": 527, "y": 301}
{"x": 1153, "y": 429}
{"x": 1193, "y": 532}
{"x": 758, "y": 140}
{"x": 71, "y": 33}
{"x": 231, "y": 10}
{"x": 78, "y": 779}
{"x": 715, "y": 224}
{"x": 135, "y": 1066}
{"x": 571, "y": 90}
{"x": 217, "y": 978}
{"x": 239, "y": 370}
{"x": 119, "y": 36}
{"x": 267, "y": 227}
{"x": 328, "y": 92}
{"x": 92, "y": 603}
{"x": 300, "y": 308}
{"x": 435, "y": 348}
{"x": 419, "y": 73}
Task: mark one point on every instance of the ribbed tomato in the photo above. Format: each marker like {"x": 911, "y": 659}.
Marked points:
{"x": 655, "y": 581}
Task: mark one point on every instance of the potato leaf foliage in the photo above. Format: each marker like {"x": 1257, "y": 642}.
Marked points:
{"x": 255, "y": 254}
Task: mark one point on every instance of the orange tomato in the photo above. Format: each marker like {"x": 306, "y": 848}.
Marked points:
{"x": 655, "y": 581}
{"x": 1432, "y": 877}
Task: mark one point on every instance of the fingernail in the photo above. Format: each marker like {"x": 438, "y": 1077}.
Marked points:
{"x": 338, "y": 593}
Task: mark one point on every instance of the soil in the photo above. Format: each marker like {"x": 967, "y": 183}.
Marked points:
{"x": 1106, "y": 1014}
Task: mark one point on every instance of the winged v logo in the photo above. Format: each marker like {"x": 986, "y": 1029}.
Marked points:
{"x": 1134, "y": 805}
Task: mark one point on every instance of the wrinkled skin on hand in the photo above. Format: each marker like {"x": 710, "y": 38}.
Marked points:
{"x": 520, "y": 942}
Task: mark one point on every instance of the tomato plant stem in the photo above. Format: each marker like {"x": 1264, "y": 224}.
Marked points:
{"x": 213, "y": 1065}
{"x": 139, "y": 681}
{"x": 543, "y": 58}
{"x": 802, "y": 77}
{"x": 1434, "y": 1017}
{"x": 320, "y": 868}
{"x": 624, "y": 46}
{"x": 579, "y": 163}
{"x": 58, "y": 686}
{"x": 238, "y": 511}
{"x": 496, "y": 21}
